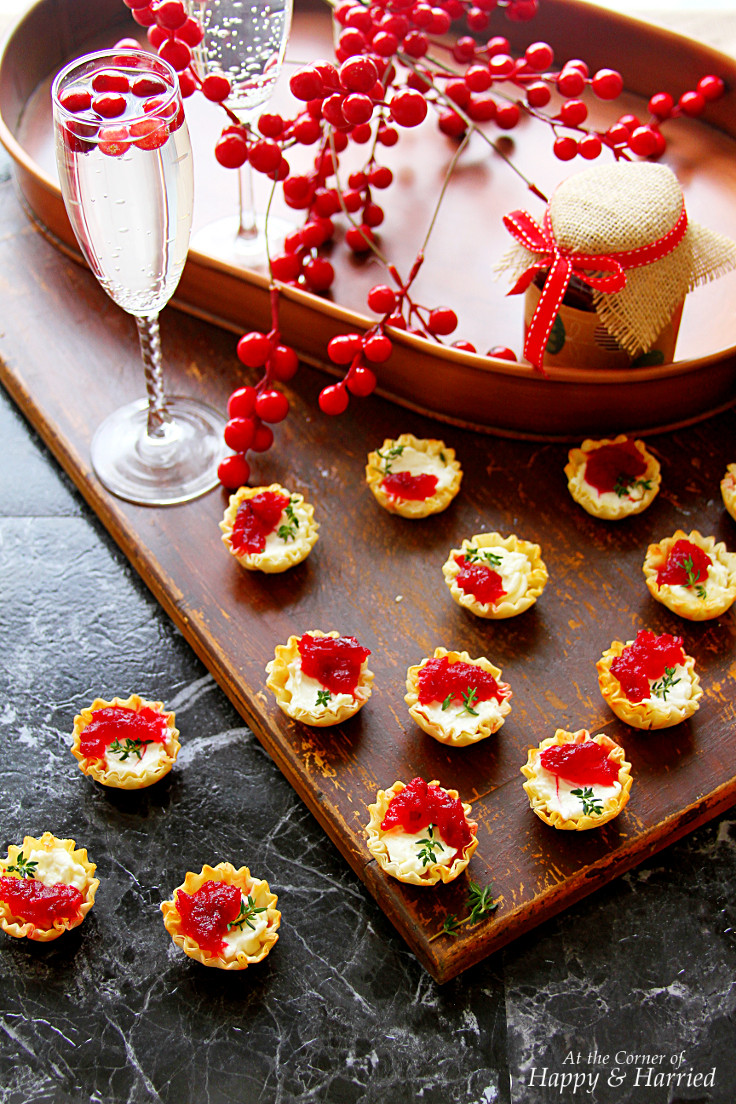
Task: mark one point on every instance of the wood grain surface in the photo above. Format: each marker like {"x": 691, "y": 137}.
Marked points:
{"x": 68, "y": 356}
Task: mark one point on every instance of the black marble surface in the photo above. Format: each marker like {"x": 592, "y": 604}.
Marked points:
{"x": 340, "y": 1012}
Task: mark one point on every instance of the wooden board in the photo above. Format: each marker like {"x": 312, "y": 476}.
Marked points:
{"x": 458, "y": 386}
{"x": 68, "y": 356}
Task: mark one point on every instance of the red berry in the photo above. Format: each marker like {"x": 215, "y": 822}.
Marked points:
{"x": 381, "y": 176}
{"x": 170, "y": 14}
{"x": 711, "y": 87}
{"x": 415, "y": 44}
{"x": 143, "y": 16}
{"x": 241, "y": 403}
{"x": 497, "y": 45}
{"x": 148, "y": 86}
{"x": 319, "y": 274}
{"x": 177, "y": 54}
{"x": 482, "y": 109}
{"x": 254, "y": 349}
{"x": 378, "y": 348}
{"x": 643, "y": 141}
{"x": 442, "y": 320}
{"x": 501, "y": 66}
{"x": 573, "y": 113}
{"x": 306, "y": 84}
{"x": 465, "y": 346}
{"x": 507, "y": 116}
{"x": 565, "y": 148}
{"x": 233, "y": 472}
{"x": 357, "y": 108}
{"x": 239, "y": 434}
{"x": 478, "y": 78}
{"x": 538, "y": 94}
{"x": 284, "y": 363}
{"x": 110, "y": 82}
{"x": 361, "y": 381}
{"x": 457, "y": 90}
{"x": 502, "y": 352}
{"x": 382, "y": 299}
{"x": 265, "y": 156}
{"x": 617, "y": 135}
{"x": 114, "y": 141}
{"x": 570, "y": 82}
{"x": 333, "y": 399}
{"x": 372, "y": 214}
{"x": 76, "y": 99}
{"x": 607, "y": 84}
{"x": 272, "y": 406}
{"x": 408, "y": 108}
{"x": 661, "y": 105}
{"x": 190, "y": 32}
{"x": 109, "y": 105}
{"x": 344, "y": 348}
{"x": 359, "y": 238}
{"x": 692, "y": 103}
{"x": 387, "y": 136}
{"x": 149, "y": 134}
{"x": 358, "y": 74}
{"x": 231, "y": 151}
{"x": 298, "y": 191}
{"x": 263, "y": 439}
{"x": 216, "y": 87}
{"x": 464, "y": 49}
{"x": 286, "y": 268}
{"x": 590, "y": 147}
{"x": 187, "y": 84}
{"x": 451, "y": 124}
{"x": 539, "y": 56}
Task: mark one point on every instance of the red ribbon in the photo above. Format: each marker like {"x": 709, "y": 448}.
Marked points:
{"x": 605, "y": 272}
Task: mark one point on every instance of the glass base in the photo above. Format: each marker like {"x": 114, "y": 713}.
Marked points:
{"x": 221, "y": 240}
{"x": 160, "y": 471}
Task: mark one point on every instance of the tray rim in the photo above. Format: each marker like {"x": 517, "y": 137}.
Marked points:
{"x": 42, "y": 199}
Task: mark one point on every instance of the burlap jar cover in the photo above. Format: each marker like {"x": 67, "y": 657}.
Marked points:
{"x": 623, "y": 231}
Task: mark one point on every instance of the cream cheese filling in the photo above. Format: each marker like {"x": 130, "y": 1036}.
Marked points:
{"x": 455, "y": 718}
{"x": 514, "y": 569}
{"x": 153, "y": 754}
{"x": 246, "y": 939}
{"x": 56, "y": 866}
{"x": 306, "y": 691}
{"x": 679, "y": 693}
{"x": 415, "y": 462}
{"x": 716, "y": 584}
{"x": 404, "y": 849}
{"x": 557, "y": 793}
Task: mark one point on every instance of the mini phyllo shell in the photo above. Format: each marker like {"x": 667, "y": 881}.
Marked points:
{"x": 47, "y": 887}
{"x": 320, "y": 678}
{"x": 125, "y": 743}
{"x": 456, "y": 699}
{"x": 269, "y": 529}
{"x": 495, "y": 576}
{"x": 692, "y": 575}
{"x": 649, "y": 682}
{"x": 577, "y": 781}
{"x": 421, "y": 833}
{"x": 223, "y": 917}
{"x": 413, "y": 476}
{"x": 728, "y": 490}
{"x": 613, "y": 478}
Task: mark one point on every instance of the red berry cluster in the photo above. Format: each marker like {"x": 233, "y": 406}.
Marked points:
{"x": 253, "y": 410}
{"x": 172, "y": 33}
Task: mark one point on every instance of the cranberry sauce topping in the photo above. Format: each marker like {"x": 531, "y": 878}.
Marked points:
{"x": 614, "y": 467}
{"x": 334, "y": 661}
{"x": 206, "y": 913}
{"x": 38, "y": 903}
{"x": 256, "y": 518}
{"x": 686, "y": 565}
{"x": 646, "y": 658}
{"x": 485, "y": 584}
{"x": 419, "y": 805}
{"x": 585, "y": 764}
{"x": 439, "y": 679}
{"x": 119, "y": 722}
{"x": 414, "y": 487}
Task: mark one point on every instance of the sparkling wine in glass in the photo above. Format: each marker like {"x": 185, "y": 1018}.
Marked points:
{"x": 125, "y": 168}
{"x": 246, "y": 41}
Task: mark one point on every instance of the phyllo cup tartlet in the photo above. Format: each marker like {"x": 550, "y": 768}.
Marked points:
{"x": 320, "y": 678}
{"x": 269, "y": 529}
{"x": 455, "y": 699}
{"x": 694, "y": 576}
{"x": 223, "y": 917}
{"x": 613, "y": 478}
{"x": 413, "y": 476}
{"x": 125, "y": 743}
{"x": 421, "y": 833}
{"x": 649, "y": 682}
{"x": 47, "y": 887}
{"x": 495, "y": 576}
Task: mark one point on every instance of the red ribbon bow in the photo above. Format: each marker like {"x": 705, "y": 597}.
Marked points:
{"x": 605, "y": 272}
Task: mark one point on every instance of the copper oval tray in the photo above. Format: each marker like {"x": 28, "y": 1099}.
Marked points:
{"x": 482, "y": 392}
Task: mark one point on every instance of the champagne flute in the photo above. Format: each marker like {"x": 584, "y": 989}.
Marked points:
{"x": 246, "y": 41}
{"x": 125, "y": 168}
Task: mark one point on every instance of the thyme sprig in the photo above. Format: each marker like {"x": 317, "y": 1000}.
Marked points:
{"x": 23, "y": 866}
{"x": 129, "y": 747}
{"x": 592, "y": 805}
{"x": 427, "y": 847}
{"x": 473, "y": 554}
{"x": 663, "y": 686}
{"x": 324, "y": 697}
{"x": 248, "y": 910}
{"x": 480, "y": 903}
{"x": 389, "y": 456}
{"x": 693, "y": 577}
{"x": 625, "y": 484}
{"x": 287, "y": 531}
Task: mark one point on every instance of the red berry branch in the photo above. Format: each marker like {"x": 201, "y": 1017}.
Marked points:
{"x": 395, "y": 64}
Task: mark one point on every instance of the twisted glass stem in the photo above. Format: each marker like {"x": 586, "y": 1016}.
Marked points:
{"x": 150, "y": 342}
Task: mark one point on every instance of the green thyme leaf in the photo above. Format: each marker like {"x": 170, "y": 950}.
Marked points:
{"x": 448, "y": 700}
{"x": 625, "y": 484}
{"x": 247, "y": 911}
{"x": 323, "y": 697}
{"x": 592, "y": 805}
{"x": 480, "y": 903}
{"x": 129, "y": 747}
{"x": 389, "y": 456}
{"x": 693, "y": 577}
{"x": 473, "y": 554}
{"x": 23, "y": 866}
{"x": 427, "y": 847}
{"x": 663, "y": 686}
{"x": 469, "y": 697}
